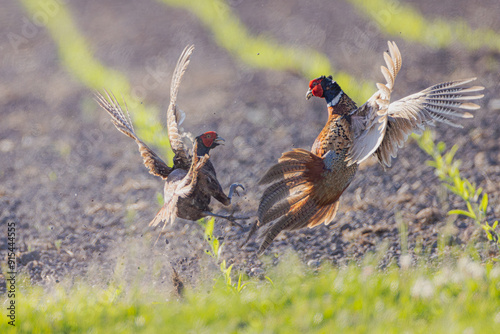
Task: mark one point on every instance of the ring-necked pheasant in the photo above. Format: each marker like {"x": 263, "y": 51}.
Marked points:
{"x": 307, "y": 185}
{"x": 191, "y": 182}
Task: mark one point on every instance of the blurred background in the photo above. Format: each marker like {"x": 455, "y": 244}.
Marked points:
{"x": 77, "y": 188}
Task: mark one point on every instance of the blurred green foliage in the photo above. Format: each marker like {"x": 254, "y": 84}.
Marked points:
{"x": 215, "y": 252}
{"x": 447, "y": 169}
{"x": 457, "y": 295}
{"x": 263, "y": 51}
{"x": 401, "y": 19}
{"x": 78, "y": 59}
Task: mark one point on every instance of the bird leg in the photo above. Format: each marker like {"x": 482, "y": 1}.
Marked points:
{"x": 232, "y": 219}
{"x": 233, "y": 189}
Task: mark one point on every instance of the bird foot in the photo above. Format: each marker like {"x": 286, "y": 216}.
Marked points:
{"x": 231, "y": 218}
{"x": 233, "y": 189}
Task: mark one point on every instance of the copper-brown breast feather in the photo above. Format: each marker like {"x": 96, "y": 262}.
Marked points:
{"x": 308, "y": 184}
{"x": 336, "y": 135}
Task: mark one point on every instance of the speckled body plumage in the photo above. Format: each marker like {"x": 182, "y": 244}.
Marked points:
{"x": 332, "y": 144}
{"x": 306, "y": 186}
{"x": 196, "y": 205}
{"x": 192, "y": 181}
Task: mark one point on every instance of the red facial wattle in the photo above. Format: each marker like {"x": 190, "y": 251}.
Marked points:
{"x": 318, "y": 91}
{"x": 208, "y": 138}
{"x": 315, "y": 87}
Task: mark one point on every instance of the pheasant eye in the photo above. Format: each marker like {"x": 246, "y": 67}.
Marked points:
{"x": 313, "y": 83}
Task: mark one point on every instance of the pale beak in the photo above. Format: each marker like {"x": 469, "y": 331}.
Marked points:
{"x": 219, "y": 140}
{"x": 309, "y": 94}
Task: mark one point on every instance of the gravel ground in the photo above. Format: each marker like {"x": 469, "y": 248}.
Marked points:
{"x": 81, "y": 198}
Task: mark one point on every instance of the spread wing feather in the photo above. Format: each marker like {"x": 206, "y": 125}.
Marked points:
{"x": 441, "y": 103}
{"x": 151, "y": 160}
{"x": 381, "y": 127}
{"x": 174, "y": 113}
{"x": 370, "y": 120}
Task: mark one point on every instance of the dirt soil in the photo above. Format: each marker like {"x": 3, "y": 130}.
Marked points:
{"x": 81, "y": 198}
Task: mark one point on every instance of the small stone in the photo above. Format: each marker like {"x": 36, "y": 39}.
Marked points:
{"x": 257, "y": 272}
{"x": 494, "y": 104}
{"x": 314, "y": 263}
{"x": 480, "y": 160}
{"x": 6, "y": 145}
{"x": 405, "y": 261}
{"x": 29, "y": 257}
{"x": 416, "y": 185}
{"x": 429, "y": 214}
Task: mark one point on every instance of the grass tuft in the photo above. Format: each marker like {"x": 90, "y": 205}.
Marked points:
{"x": 451, "y": 296}
{"x": 447, "y": 170}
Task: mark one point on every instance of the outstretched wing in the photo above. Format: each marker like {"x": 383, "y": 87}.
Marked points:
{"x": 151, "y": 160}
{"x": 173, "y": 113}
{"x": 369, "y": 121}
{"x": 439, "y": 103}
{"x": 381, "y": 127}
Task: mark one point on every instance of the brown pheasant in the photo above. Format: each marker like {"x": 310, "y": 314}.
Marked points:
{"x": 307, "y": 185}
{"x": 191, "y": 182}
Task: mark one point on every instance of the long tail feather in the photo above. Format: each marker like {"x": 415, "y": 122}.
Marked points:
{"x": 325, "y": 215}
{"x": 167, "y": 213}
{"x": 281, "y": 208}
{"x": 300, "y": 198}
{"x": 281, "y": 169}
{"x": 298, "y": 217}
{"x": 277, "y": 192}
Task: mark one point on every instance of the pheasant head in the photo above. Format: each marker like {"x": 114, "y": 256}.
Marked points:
{"x": 336, "y": 100}
{"x": 324, "y": 87}
{"x": 206, "y": 142}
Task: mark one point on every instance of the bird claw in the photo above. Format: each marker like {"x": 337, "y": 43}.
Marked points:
{"x": 232, "y": 221}
{"x": 231, "y": 218}
{"x": 233, "y": 189}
